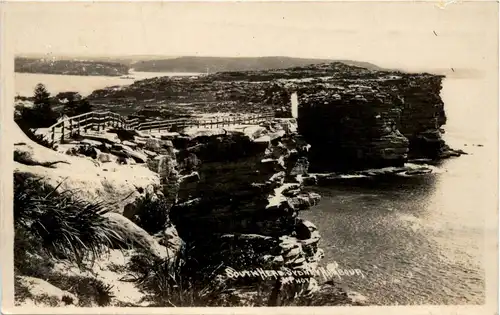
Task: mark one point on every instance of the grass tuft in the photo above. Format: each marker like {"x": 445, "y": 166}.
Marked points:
{"x": 66, "y": 226}
{"x": 168, "y": 286}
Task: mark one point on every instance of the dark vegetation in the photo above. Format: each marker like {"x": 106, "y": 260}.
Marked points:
{"x": 43, "y": 113}
{"x": 152, "y": 214}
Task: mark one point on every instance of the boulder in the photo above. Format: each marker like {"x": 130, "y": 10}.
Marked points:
{"x": 105, "y": 157}
{"x": 73, "y": 173}
{"x": 153, "y": 144}
{"x": 91, "y": 142}
{"x": 132, "y": 233}
{"x": 150, "y": 154}
{"x": 170, "y": 239}
{"x": 130, "y": 144}
{"x": 165, "y": 165}
{"x": 45, "y": 294}
{"x": 109, "y": 138}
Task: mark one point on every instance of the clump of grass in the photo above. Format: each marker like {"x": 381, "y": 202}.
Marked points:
{"x": 152, "y": 214}
{"x": 51, "y": 226}
{"x": 168, "y": 286}
{"x": 89, "y": 290}
{"x": 66, "y": 226}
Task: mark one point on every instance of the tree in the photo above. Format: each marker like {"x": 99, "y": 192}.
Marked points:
{"x": 41, "y": 96}
{"x": 76, "y": 105}
{"x": 42, "y": 113}
{"x": 84, "y": 106}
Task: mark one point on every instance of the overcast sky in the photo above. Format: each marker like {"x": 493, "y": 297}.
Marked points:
{"x": 388, "y": 34}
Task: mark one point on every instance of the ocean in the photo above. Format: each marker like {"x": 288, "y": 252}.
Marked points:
{"x": 421, "y": 240}
{"x": 25, "y": 82}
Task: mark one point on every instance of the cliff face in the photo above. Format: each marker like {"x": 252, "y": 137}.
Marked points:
{"x": 242, "y": 211}
{"x": 373, "y": 123}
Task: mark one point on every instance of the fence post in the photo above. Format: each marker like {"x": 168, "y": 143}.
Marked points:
{"x": 70, "y": 128}
{"x": 53, "y": 135}
{"x": 62, "y": 131}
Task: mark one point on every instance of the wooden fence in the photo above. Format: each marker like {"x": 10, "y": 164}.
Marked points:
{"x": 98, "y": 121}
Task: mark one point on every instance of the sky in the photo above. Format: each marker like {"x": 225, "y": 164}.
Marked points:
{"x": 389, "y": 34}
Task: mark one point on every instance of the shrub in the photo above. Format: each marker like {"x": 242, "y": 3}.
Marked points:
{"x": 152, "y": 214}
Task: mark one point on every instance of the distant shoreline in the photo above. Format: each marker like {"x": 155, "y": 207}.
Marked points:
{"x": 75, "y": 74}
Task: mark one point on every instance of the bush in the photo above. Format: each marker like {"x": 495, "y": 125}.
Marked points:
{"x": 152, "y": 214}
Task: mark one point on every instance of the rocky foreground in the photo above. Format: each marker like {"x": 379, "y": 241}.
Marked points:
{"x": 230, "y": 206}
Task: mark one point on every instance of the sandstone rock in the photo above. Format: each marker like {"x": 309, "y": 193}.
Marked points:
{"x": 150, "y": 154}
{"x": 305, "y": 200}
{"x": 137, "y": 156}
{"x": 130, "y": 232}
{"x": 163, "y": 164}
{"x": 190, "y": 178}
{"x": 153, "y": 144}
{"x": 45, "y": 294}
{"x": 170, "y": 239}
{"x": 357, "y": 299}
{"x": 73, "y": 173}
{"x": 254, "y": 132}
{"x": 109, "y": 138}
{"x": 169, "y": 135}
{"x": 91, "y": 142}
{"x": 130, "y": 144}
{"x": 104, "y": 157}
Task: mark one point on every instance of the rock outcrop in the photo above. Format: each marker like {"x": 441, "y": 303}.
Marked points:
{"x": 352, "y": 117}
{"x": 243, "y": 211}
{"x": 363, "y": 123}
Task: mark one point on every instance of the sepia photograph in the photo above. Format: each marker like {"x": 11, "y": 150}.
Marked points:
{"x": 249, "y": 155}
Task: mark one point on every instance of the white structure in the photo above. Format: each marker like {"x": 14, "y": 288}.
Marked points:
{"x": 295, "y": 105}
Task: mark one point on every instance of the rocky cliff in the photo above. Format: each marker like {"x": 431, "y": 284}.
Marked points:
{"x": 360, "y": 123}
{"x": 243, "y": 212}
{"x": 353, "y": 117}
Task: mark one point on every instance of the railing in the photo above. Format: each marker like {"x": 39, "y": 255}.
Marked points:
{"x": 211, "y": 123}
{"x": 98, "y": 121}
